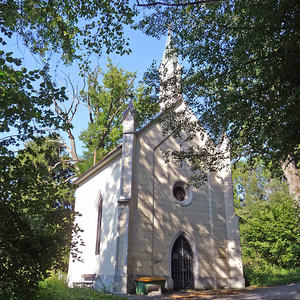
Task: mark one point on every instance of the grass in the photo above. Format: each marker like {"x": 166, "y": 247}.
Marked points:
{"x": 55, "y": 289}
{"x": 257, "y": 273}
{"x": 268, "y": 275}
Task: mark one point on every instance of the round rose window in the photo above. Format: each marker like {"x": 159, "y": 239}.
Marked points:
{"x": 182, "y": 194}
{"x": 179, "y": 193}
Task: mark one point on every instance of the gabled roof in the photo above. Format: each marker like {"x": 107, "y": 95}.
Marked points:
{"x": 159, "y": 115}
{"x": 99, "y": 165}
{"x": 118, "y": 150}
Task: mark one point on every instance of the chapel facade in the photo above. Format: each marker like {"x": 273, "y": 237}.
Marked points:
{"x": 140, "y": 219}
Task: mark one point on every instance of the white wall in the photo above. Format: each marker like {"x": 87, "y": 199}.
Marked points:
{"x": 107, "y": 182}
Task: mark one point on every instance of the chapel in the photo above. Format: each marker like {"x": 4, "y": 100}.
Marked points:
{"x": 139, "y": 218}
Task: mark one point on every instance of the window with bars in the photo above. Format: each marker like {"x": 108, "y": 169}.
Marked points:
{"x": 182, "y": 264}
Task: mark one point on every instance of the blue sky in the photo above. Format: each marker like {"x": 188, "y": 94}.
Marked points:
{"x": 144, "y": 50}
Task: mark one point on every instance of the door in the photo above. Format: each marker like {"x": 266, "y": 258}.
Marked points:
{"x": 182, "y": 264}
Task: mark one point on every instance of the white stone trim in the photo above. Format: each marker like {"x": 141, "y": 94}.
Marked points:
{"x": 211, "y": 226}
{"x": 120, "y": 278}
{"x": 236, "y": 278}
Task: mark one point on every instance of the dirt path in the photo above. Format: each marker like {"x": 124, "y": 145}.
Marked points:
{"x": 282, "y": 292}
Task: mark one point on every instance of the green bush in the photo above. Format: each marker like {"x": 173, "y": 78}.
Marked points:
{"x": 271, "y": 230}
{"x": 269, "y": 225}
{"x": 260, "y": 273}
{"x": 269, "y": 216}
{"x": 56, "y": 289}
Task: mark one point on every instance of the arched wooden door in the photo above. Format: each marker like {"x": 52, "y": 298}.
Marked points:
{"x": 182, "y": 264}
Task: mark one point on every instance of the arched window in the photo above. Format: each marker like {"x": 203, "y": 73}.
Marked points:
{"x": 182, "y": 264}
{"x": 99, "y": 218}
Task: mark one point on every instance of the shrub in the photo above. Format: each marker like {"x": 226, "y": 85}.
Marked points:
{"x": 54, "y": 288}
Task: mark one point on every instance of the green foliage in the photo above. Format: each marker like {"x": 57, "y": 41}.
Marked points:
{"x": 56, "y": 289}
{"x": 244, "y": 59}
{"x": 69, "y": 27}
{"x": 36, "y": 214}
{"x": 26, "y": 97}
{"x": 146, "y": 105}
{"x": 35, "y": 202}
{"x": 35, "y": 198}
{"x": 260, "y": 273}
{"x": 107, "y": 102}
{"x": 272, "y": 230}
{"x": 269, "y": 217}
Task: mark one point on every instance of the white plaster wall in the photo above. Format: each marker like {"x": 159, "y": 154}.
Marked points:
{"x": 107, "y": 182}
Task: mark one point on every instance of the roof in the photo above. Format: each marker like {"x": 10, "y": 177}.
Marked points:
{"x": 99, "y": 165}
{"x": 118, "y": 150}
{"x": 159, "y": 115}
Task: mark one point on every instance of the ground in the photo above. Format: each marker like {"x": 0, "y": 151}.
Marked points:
{"x": 282, "y": 292}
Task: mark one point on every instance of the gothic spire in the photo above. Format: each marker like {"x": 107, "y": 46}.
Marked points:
{"x": 170, "y": 53}
{"x": 170, "y": 75}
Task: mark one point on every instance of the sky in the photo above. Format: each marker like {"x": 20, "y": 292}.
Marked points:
{"x": 145, "y": 49}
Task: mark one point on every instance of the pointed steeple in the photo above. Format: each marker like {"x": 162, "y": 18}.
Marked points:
{"x": 170, "y": 53}
{"x": 170, "y": 75}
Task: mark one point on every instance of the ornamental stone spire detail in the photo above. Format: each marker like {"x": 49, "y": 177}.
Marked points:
{"x": 169, "y": 75}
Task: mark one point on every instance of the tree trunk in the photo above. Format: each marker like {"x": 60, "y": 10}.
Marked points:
{"x": 291, "y": 173}
{"x": 73, "y": 150}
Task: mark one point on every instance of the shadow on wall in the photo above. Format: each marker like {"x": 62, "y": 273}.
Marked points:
{"x": 157, "y": 217}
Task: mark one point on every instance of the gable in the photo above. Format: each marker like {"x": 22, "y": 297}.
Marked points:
{"x": 110, "y": 158}
{"x": 153, "y": 133}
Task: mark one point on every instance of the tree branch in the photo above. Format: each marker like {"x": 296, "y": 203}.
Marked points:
{"x": 174, "y": 4}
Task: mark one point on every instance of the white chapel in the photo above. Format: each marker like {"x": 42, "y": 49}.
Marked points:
{"x": 140, "y": 219}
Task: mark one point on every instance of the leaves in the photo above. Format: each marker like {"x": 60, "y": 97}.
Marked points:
{"x": 243, "y": 59}
{"x": 26, "y": 97}
{"x": 69, "y": 27}
{"x": 107, "y": 102}
{"x": 269, "y": 216}
{"x": 36, "y": 214}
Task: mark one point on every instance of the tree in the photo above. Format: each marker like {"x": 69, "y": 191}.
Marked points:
{"x": 36, "y": 217}
{"x": 106, "y": 103}
{"x": 69, "y": 27}
{"x": 45, "y": 27}
{"x": 35, "y": 232}
{"x": 269, "y": 216}
{"x": 25, "y": 109}
{"x": 35, "y": 227}
{"x": 243, "y": 77}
